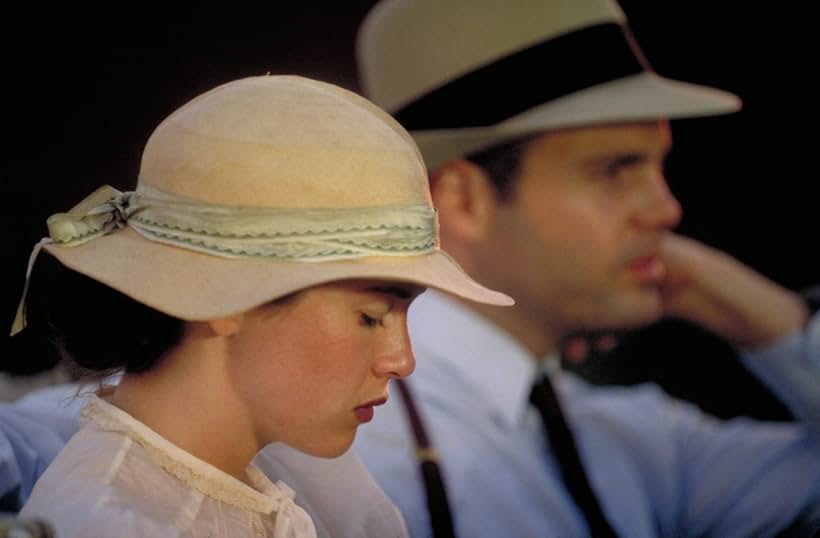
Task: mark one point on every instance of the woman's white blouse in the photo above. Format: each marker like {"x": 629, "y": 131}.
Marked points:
{"x": 117, "y": 477}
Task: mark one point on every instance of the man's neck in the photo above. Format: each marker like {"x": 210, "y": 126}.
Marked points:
{"x": 539, "y": 339}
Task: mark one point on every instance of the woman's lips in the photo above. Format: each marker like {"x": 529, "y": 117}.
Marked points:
{"x": 364, "y": 412}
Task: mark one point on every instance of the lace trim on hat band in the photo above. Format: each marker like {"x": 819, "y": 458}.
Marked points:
{"x": 298, "y": 234}
{"x": 240, "y": 232}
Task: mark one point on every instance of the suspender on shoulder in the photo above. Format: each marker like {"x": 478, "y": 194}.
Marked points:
{"x": 437, "y": 505}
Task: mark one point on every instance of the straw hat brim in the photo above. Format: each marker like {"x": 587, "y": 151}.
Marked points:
{"x": 195, "y": 286}
{"x": 641, "y": 97}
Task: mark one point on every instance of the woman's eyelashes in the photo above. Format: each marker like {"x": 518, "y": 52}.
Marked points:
{"x": 369, "y": 321}
{"x": 381, "y": 319}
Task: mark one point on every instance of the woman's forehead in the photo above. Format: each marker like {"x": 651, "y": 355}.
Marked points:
{"x": 399, "y": 289}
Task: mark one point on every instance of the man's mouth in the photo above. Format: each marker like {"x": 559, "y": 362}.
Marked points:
{"x": 648, "y": 269}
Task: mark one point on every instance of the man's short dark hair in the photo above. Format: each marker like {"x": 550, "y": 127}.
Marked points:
{"x": 502, "y": 164}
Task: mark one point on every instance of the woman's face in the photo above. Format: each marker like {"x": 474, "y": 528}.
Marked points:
{"x": 309, "y": 369}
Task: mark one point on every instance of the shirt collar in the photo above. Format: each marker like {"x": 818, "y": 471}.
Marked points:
{"x": 487, "y": 357}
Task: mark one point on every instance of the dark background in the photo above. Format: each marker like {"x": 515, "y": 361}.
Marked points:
{"x": 84, "y": 89}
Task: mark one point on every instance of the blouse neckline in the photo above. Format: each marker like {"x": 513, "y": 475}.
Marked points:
{"x": 261, "y": 495}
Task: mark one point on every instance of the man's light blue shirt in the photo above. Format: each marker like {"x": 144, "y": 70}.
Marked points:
{"x": 660, "y": 467}
{"x": 33, "y": 430}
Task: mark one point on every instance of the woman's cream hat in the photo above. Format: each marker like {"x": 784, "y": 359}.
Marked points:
{"x": 258, "y": 188}
{"x": 464, "y": 75}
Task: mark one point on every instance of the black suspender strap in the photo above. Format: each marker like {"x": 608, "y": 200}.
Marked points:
{"x": 437, "y": 505}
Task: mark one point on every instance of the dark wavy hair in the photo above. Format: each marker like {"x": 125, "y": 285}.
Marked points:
{"x": 502, "y": 164}
{"x": 96, "y": 329}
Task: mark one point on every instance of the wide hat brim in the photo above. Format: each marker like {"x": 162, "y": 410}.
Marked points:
{"x": 642, "y": 97}
{"x": 196, "y": 286}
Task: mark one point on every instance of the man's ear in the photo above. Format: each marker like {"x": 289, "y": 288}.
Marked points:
{"x": 465, "y": 199}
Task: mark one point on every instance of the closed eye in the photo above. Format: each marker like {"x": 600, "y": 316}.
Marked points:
{"x": 369, "y": 321}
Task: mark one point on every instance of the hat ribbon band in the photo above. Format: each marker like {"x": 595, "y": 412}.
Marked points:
{"x": 291, "y": 234}
{"x": 279, "y": 234}
{"x": 527, "y": 78}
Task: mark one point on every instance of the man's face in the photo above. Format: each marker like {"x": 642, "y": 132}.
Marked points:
{"x": 577, "y": 242}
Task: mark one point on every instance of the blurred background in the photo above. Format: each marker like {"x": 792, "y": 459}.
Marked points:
{"x": 84, "y": 89}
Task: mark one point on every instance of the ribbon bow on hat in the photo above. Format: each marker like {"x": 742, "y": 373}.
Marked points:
{"x": 103, "y": 211}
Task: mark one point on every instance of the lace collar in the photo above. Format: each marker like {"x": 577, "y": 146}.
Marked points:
{"x": 264, "y": 496}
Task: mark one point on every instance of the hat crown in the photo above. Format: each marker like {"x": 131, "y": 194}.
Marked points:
{"x": 397, "y": 66}
{"x": 284, "y": 141}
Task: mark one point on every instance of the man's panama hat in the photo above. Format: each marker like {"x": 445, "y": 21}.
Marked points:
{"x": 463, "y": 75}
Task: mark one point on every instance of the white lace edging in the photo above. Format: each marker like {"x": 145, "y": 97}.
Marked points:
{"x": 202, "y": 476}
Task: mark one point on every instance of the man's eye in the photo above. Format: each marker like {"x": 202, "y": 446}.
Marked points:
{"x": 615, "y": 167}
{"x": 369, "y": 321}
{"x": 613, "y": 170}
